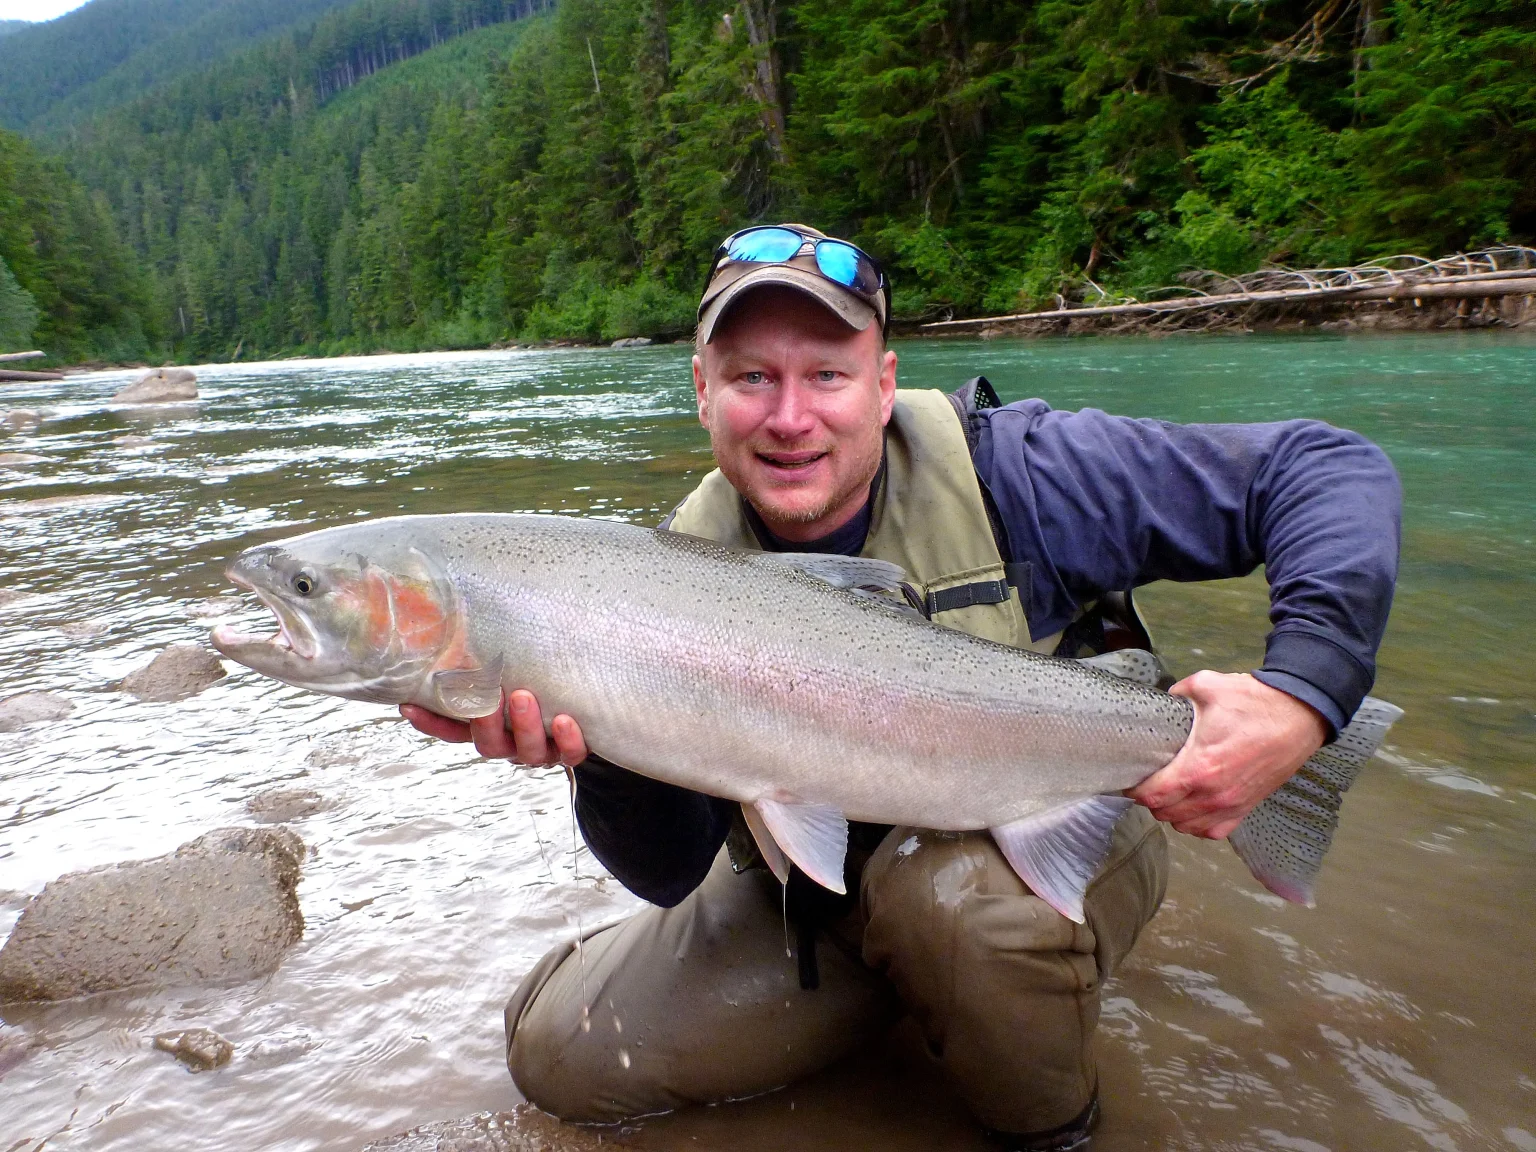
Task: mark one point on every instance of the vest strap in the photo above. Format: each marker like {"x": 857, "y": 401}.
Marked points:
{"x": 965, "y": 595}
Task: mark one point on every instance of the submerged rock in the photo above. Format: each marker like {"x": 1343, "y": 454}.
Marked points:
{"x": 21, "y": 420}
{"x": 197, "y": 1048}
{"x": 32, "y": 708}
{"x": 133, "y": 440}
{"x": 19, "y": 459}
{"x": 281, "y": 805}
{"x": 220, "y": 908}
{"x": 524, "y": 1129}
{"x": 180, "y": 671}
{"x": 159, "y": 386}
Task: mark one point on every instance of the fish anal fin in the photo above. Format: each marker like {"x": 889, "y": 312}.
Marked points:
{"x": 468, "y": 693}
{"x": 1283, "y": 840}
{"x": 1059, "y": 851}
{"x": 813, "y": 836}
{"x": 772, "y": 854}
{"x": 1134, "y": 664}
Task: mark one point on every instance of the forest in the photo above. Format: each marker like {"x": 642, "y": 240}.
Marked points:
{"x": 405, "y": 174}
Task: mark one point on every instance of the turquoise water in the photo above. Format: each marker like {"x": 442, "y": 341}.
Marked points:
{"x": 1397, "y": 1014}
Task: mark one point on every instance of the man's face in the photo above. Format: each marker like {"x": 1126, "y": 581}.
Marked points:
{"x": 795, "y": 402}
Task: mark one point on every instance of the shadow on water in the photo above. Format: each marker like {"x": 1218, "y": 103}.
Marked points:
{"x": 1397, "y": 1014}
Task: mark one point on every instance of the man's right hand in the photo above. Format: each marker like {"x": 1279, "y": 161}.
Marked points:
{"x": 515, "y": 731}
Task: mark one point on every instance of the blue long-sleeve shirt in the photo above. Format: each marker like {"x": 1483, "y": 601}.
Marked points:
{"x": 1098, "y": 503}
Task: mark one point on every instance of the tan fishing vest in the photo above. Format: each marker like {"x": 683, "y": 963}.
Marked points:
{"x": 928, "y": 516}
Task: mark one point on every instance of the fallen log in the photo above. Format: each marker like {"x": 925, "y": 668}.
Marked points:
{"x": 1514, "y": 282}
{"x": 21, "y": 355}
{"x": 14, "y": 374}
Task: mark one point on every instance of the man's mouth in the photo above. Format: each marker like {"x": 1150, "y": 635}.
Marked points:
{"x": 792, "y": 463}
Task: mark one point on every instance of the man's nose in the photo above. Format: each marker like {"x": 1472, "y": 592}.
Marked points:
{"x": 792, "y": 414}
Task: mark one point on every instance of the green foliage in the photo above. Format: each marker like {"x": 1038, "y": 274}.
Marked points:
{"x": 18, "y": 313}
{"x": 63, "y": 255}
{"x": 392, "y": 177}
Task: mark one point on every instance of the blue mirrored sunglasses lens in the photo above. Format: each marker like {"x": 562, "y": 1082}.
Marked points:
{"x": 840, "y": 262}
{"x": 766, "y": 245}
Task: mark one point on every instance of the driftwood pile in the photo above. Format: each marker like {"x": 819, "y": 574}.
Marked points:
{"x": 1480, "y": 288}
{"x": 17, "y": 374}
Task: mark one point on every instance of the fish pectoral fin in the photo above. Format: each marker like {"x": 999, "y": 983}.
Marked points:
{"x": 1059, "y": 851}
{"x": 1283, "y": 839}
{"x": 772, "y": 854}
{"x": 851, "y": 573}
{"x": 1134, "y": 664}
{"x": 813, "y": 836}
{"x": 468, "y": 693}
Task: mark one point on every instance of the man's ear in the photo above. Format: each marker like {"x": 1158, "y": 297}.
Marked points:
{"x": 701, "y": 389}
{"x": 887, "y": 385}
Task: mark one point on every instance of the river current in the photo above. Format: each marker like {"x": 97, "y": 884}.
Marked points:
{"x": 1398, "y": 1014}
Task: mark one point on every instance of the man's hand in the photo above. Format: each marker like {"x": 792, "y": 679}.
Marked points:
{"x": 1248, "y": 739}
{"x": 515, "y": 731}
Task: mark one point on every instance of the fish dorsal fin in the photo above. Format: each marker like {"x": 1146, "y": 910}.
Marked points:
{"x": 468, "y": 693}
{"x": 851, "y": 573}
{"x": 812, "y": 836}
{"x": 1057, "y": 852}
{"x": 1283, "y": 840}
{"x": 1134, "y": 664}
{"x": 772, "y": 854}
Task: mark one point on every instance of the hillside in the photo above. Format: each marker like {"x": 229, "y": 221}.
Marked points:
{"x": 100, "y": 55}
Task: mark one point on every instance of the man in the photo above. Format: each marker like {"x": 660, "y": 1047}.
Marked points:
{"x": 1018, "y": 524}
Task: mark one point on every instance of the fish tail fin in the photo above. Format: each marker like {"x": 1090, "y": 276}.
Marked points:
{"x": 1059, "y": 851}
{"x": 1284, "y": 839}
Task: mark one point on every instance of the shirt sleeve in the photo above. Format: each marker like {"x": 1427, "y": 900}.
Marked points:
{"x": 1100, "y": 503}
{"x": 657, "y": 839}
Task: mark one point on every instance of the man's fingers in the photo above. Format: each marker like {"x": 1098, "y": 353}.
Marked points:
{"x": 568, "y": 740}
{"x": 490, "y": 732}
{"x": 431, "y": 724}
{"x": 527, "y": 725}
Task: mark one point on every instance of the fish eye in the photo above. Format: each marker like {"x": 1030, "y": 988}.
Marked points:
{"x": 304, "y": 583}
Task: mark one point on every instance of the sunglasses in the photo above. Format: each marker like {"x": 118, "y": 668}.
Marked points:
{"x": 837, "y": 260}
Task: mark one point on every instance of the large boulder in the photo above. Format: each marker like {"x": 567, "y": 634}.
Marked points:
{"x": 524, "y": 1129}
{"x": 160, "y": 386}
{"x": 32, "y": 708}
{"x": 180, "y": 671}
{"x": 220, "y": 908}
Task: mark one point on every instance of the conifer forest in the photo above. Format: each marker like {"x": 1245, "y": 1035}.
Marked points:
{"x": 412, "y": 174}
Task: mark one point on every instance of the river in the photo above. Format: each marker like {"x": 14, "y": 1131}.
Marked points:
{"x": 1400, "y": 1013}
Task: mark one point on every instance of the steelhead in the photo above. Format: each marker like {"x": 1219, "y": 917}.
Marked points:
{"x": 791, "y": 683}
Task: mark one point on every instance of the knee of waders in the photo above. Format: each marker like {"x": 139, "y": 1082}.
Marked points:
{"x": 544, "y": 1051}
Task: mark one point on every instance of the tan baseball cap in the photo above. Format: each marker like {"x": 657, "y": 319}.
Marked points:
{"x": 735, "y": 279}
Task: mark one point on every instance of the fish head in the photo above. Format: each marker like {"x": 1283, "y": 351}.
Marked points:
{"x": 363, "y": 620}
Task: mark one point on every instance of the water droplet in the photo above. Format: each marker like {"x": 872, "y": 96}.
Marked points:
{"x": 624, "y": 1057}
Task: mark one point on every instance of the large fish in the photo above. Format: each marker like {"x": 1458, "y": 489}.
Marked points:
{"x": 789, "y": 683}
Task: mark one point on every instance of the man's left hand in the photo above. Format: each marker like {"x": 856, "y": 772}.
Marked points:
{"x": 1248, "y": 739}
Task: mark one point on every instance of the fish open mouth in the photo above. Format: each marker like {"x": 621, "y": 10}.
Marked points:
{"x": 293, "y": 635}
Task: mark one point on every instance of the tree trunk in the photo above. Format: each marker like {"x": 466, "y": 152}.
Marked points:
{"x": 768, "y": 83}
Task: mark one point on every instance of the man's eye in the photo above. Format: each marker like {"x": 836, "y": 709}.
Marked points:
{"x": 826, "y": 376}
{"x": 754, "y": 377}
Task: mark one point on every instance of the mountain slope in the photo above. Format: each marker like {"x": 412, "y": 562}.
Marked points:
{"x": 109, "y": 51}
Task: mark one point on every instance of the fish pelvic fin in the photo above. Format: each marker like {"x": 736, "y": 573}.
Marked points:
{"x": 1059, "y": 851}
{"x": 1283, "y": 840}
{"x": 814, "y": 837}
{"x": 468, "y": 693}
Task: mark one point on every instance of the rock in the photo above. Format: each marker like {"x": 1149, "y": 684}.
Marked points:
{"x": 631, "y": 342}
{"x": 19, "y": 459}
{"x": 9, "y": 596}
{"x": 21, "y": 419}
{"x": 133, "y": 440}
{"x": 524, "y": 1129}
{"x": 197, "y": 1048}
{"x": 281, "y": 805}
{"x": 51, "y": 503}
{"x": 84, "y": 629}
{"x": 281, "y": 1047}
{"x": 220, "y": 908}
{"x": 14, "y": 1048}
{"x": 180, "y": 671}
{"x": 32, "y": 708}
{"x": 160, "y": 386}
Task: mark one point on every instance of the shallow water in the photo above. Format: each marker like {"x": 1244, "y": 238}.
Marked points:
{"x": 1399, "y": 1014}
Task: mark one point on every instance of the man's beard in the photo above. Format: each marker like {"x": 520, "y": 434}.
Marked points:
{"x": 771, "y": 509}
